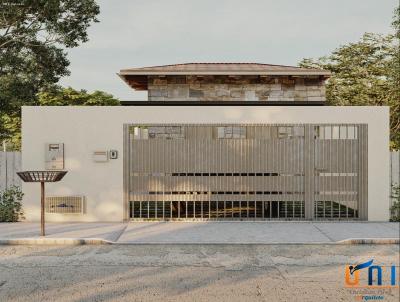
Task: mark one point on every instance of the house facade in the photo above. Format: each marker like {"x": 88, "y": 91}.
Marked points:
{"x": 213, "y": 141}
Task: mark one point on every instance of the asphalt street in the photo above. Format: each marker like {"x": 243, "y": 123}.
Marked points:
{"x": 185, "y": 272}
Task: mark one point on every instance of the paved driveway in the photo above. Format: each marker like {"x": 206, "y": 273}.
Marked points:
{"x": 208, "y": 232}
{"x": 254, "y": 232}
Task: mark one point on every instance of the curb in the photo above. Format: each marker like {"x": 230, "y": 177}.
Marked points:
{"x": 55, "y": 241}
{"x": 351, "y": 241}
{"x": 370, "y": 241}
{"x": 99, "y": 241}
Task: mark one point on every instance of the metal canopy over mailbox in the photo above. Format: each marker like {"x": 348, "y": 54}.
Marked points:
{"x": 42, "y": 177}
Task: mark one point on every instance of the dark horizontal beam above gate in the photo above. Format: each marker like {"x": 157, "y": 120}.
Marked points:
{"x": 221, "y": 103}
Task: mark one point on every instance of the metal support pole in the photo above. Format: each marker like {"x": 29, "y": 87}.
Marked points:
{"x": 42, "y": 177}
{"x": 42, "y": 230}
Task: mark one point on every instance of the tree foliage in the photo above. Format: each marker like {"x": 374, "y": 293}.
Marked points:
{"x": 45, "y": 22}
{"x": 59, "y": 96}
{"x": 395, "y": 208}
{"x": 366, "y": 73}
{"x": 34, "y": 36}
{"x": 11, "y": 205}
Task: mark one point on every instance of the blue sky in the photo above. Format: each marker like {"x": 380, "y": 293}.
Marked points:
{"x": 134, "y": 33}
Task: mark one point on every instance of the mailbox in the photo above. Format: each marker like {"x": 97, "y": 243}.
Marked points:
{"x": 100, "y": 156}
{"x": 54, "y": 156}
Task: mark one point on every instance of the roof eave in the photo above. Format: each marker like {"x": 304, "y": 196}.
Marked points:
{"x": 133, "y": 85}
{"x": 267, "y": 73}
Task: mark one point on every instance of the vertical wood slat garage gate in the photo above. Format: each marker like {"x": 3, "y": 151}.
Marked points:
{"x": 261, "y": 171}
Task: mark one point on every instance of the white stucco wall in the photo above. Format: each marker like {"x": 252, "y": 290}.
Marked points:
{"x": 85, "y": 129}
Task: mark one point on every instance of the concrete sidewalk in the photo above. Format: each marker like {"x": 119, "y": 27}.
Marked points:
{"x": 255, "y": 232}
{"x": 200, "y": 232}
{"x": 104, "y": 231}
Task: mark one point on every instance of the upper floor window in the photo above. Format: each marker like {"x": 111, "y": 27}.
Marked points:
{"x": 158, "y": 132}
{"x": 140, "y": 133}
{"x": 336, "y": 132}
{"x": 231, "y": 132}
{"x": 290, "y": 131}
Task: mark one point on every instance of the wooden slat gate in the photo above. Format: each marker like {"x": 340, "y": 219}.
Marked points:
{"x": 220, "y": 171}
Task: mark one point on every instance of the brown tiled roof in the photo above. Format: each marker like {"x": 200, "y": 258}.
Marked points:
{"x": 137, "y": 78}
{"x": 224, "y": 68}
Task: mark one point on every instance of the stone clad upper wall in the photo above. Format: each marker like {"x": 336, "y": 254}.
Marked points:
{"x": 236, "y": 88}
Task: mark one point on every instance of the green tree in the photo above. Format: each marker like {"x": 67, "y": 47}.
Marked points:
{"x": 59, "y": 96}
{"x": 11, "y": 205}
{"x": 34, "y": 36}
{"x": 395, "y": 208}
{"x": 366, "y": 73}
{"x": 395, "y": 80}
